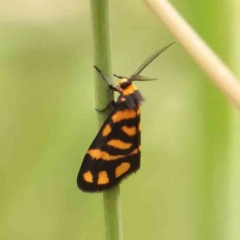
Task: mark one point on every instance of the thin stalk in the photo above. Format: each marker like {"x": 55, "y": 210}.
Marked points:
{"x": 203, "y": 55}
{"x": 100, "y": 22}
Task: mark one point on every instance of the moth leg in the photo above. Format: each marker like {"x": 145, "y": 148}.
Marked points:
{"x": 106, "y": 79}
{"x": 110, "y": 107}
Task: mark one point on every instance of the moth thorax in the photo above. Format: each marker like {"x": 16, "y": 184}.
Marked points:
{"x": 126, "y": 87}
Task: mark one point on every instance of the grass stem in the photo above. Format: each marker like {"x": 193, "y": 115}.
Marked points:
{"x": 100, "y": 22}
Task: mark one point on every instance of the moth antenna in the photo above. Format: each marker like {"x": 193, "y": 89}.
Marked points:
{"x": 149, "y": 60}
{"x": 117, "y": 76}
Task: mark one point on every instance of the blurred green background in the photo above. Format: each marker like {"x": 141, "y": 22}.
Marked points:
{"x": 189, "y": 183}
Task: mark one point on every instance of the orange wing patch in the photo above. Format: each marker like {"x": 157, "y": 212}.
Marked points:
{"x": 107, "y": 129}
{"x": 122, "y": 168}
{"x": 103, "y": 177}
{"x": 98, "y": 154}
{"x": 88, "y": 177}
{"x": 123, "y": 115}
{"x": 130, "y": 131}
{"x": 119, "y": 144}
{"x": 139, "y": 110}
{"x": 135, "y": 151}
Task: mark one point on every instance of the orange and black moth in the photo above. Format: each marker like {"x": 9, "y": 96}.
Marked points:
{"x": 116, "y": 150}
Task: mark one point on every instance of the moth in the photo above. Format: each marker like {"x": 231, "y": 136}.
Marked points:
{"x": 116, "y": 150}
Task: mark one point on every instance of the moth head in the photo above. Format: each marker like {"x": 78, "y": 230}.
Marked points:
{"x": 124, "y": 83}
{"x": 125, "y": 86}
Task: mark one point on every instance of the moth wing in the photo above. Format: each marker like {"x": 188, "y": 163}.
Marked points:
{"x": 114, "y": 153}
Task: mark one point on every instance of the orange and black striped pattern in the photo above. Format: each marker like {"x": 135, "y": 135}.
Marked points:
{"x": 115, "y": 152}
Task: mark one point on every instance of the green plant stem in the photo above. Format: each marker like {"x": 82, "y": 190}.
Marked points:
{"x": 100, "y": 21}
